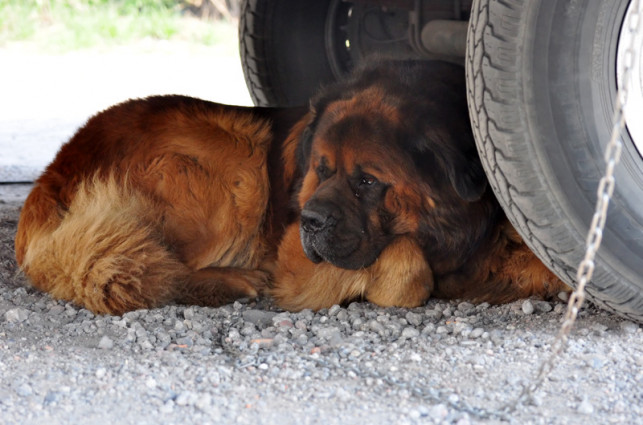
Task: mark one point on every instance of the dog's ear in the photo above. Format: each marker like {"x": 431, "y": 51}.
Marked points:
{"x": 304, "y": 147}
{"x": 318, "y": 105}
{"x": 466, "y": 175}
{"x": 456, "y": 157}
{"x": 305, "y": 142}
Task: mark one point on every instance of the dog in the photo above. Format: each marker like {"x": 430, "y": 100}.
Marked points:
{"x": 394, "y": 202}
{"x": 374, "y": 192}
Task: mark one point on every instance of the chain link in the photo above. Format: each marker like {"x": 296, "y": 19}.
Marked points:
{"x": 595, "y": 233}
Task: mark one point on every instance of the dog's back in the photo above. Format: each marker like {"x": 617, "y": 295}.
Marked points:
{"x": 153, "y": 200}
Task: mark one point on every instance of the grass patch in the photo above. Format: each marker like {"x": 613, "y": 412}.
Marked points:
{"x": 65, "y": 25}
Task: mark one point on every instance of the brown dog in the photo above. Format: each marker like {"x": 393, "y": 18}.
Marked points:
{"x": 394, "y": 202}
{"x": 375, "y": 193}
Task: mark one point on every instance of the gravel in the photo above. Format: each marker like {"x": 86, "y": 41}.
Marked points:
{"x": 251, "y": 363}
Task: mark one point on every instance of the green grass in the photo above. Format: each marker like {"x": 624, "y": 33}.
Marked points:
{"x": 64, "y": 25}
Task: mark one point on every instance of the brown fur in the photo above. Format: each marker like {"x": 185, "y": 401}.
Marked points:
{"x": 177, "y": 199}
{"x": 424, "y": 223}
{"x": 160, "y": 199}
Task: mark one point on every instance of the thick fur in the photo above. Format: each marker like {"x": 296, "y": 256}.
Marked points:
{"x": 375, "y": 193}
{"x": 394, "y": 202}
{"x": 157, "y": 200}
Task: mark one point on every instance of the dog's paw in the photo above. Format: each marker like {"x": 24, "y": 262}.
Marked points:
{"x": 217, "y": 286}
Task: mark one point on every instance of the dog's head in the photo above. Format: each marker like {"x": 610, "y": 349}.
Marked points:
{"x": 386, "y": 153}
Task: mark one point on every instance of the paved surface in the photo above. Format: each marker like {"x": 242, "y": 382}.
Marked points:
{"x": 45, "y": 98}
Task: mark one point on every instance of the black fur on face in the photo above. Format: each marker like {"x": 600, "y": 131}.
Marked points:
{"x": 387, "y": 154}
{"x": 344, "y": 222}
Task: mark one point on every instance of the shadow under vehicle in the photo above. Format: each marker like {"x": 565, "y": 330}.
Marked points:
{"x": 542, "y": 82}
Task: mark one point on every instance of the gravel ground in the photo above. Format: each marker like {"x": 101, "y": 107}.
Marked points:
{"x": 250, "y": 363}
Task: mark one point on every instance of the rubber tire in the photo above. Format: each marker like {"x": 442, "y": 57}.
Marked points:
{"x": 541, "y": 86}
{"x": 282, "y": 47}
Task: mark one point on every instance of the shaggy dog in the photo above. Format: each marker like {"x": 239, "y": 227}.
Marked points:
{"x": 375, "y": 192}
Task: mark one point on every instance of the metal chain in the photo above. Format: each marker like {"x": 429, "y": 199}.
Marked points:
{"x": 595, "y": 234}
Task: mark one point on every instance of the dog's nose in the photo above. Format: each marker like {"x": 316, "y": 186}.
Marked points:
{"x": 316, "y": 220}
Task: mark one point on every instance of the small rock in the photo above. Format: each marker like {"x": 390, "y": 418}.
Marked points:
{"x": 527, "y": 307}
{"x": 483, "y": 306}
{"x": 461, "y": 328}
{"x": 428, "y": 329}
{"x": 132, "y": 316}
{"x": 433, "y": 315}
{"x": 441, "y": 330}
{"x": 597, "y": 362}
{"x": 168, "y": 407}
{"x": 145, "y": 344}
{"x": 413, "y": 318}
{"x": 415, "y": 414}
{"x": 24, "y": 390}
{"x": 179, "y": 326}
{"x": 262, "y": 342}
{"x": 56, "y": 309}
{"x": 163, "y": 339}
{"x": 355, "y": 306}
{"x": 16, "y": 315}
{"x": 410, "y": 332}
{"x": 203, "y": 402}
{"x": 284, "y": 324}
{"x": 543, "y": 306}
{"x": 248, "y": 329}
{"x": 559, "y": 308}
{"x": 185, "y": 398}
{"x": 258, "y": 317}
{"x": 463, "y": 421}
{"x": 598, "y": 327}
{"x": 282, "y": 320}
{"x": 376, "y": 326}
{"x": 185, "y": 341}
{"x": 585, "y": 407}
{"x": 342, "y": 315}
{"x": 333, "y": 310}
{"x": 106, "y": 343}
{"x": 476, "y": 333}
{"x": 465, "y": 307}
{"x": 303, "y": 339}
{"x": 629, "y": 327}
{"x": 52, "y": 397}
{"x": 327, "y": 333}
{"x": 188, "y": 313}
{"x": 563, "y": 296}
{"x": 438, "y": 412}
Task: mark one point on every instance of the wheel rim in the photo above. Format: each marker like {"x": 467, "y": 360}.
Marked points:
{"x": 338, "y": 48}
{"x": 355, "y": 30}
{"x": 634, "y": 107}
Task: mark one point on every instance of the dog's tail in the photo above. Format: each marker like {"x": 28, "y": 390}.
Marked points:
{"x": 104, "y": 252}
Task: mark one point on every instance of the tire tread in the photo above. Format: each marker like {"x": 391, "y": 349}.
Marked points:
{"x": 492, "y": 65}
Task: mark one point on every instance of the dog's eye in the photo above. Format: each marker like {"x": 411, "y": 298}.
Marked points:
{"x": 322, "y": 172}
{"x": 367, "y": 180}
{"x": 364, "y": 182}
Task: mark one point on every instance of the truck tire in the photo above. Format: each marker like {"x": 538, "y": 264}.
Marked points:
{"x": 283, "y": 50}
{"x": 542, "y": 80}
